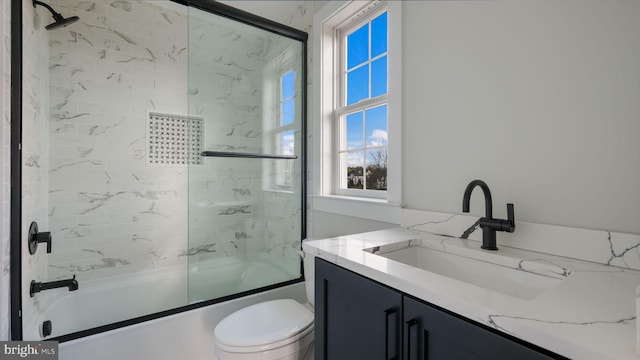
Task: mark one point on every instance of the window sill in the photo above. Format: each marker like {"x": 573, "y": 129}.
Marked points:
{"x": 366, "y": 208}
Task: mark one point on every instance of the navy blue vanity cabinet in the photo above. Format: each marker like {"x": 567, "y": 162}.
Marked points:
{"x": 355, "y": 317}
{"x": 431, "y": 333}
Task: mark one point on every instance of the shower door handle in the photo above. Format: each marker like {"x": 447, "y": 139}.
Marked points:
{"x": 246, "y": 155}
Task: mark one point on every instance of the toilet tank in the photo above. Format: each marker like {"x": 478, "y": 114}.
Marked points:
{"x": 308, "y": 261}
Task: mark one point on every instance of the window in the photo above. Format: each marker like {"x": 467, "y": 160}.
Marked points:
{"x": 361, "y": 111}
{"x": 357, "y": 104}
{"x": 362, "y": 115}
{"x": 283, "y": 132}
{"x": 281, "y": 104}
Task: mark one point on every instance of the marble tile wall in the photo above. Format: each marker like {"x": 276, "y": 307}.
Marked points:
{"x": 600, "y": 246}
{"x": 122, "y": 59}
{"x": 110, "y": 212}
{"x": 283, "y": 206}
{"x": 5, "y": 167}
{"x": 233, "y": 73}
{"x": 301, "y": 18}
{"x": 87, "y": 95}
{"x": 35, "y": 146}
{"x": 299, "y": 15}
{"x": 226, "y": 67}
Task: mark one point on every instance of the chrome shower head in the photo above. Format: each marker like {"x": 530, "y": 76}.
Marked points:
{"x": 60, "y": 21}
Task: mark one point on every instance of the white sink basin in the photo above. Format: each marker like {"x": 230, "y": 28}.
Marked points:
{"x": 517, "y": 283}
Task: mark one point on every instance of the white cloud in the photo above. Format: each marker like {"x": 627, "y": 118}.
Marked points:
{"x": 354, "y": 158}
{"x": 378, "y": 138}
{"x": 288, "y": 144}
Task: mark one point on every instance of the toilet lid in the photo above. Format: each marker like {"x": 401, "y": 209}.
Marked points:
{"x": 264, "y": 323}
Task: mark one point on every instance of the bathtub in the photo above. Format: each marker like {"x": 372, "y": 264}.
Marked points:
{"x": 186, "y": 335}
{"x": 104, "y": 301}
{"x": 233, "y": 275}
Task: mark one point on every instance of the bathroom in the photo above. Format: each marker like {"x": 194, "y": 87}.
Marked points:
{"x": 538, "y": 99}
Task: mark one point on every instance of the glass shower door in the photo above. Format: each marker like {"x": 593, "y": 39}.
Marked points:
{"x": 246, "y": 207}
{"x": 162, "y": 151}
{"x": 117, "y": 214}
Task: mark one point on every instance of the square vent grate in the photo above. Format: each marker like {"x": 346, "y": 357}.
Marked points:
{"x": 174, "y": 139}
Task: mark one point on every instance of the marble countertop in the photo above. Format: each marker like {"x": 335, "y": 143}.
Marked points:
{"x": 590, "y": 314}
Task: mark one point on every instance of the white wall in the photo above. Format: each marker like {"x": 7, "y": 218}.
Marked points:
{"x": 328, "y": 225}
{"x": 538, "y": 98}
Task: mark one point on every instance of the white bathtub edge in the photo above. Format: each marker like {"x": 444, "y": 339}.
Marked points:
{"x": 186, "y": 335}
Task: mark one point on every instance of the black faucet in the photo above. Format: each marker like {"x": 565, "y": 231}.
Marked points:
{"x": 488, "y": 224}
{"x": 36, "y": 287}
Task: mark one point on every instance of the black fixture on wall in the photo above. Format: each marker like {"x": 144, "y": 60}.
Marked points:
{"x": 36, "y": 287}
{"x": 59, "y": 20}
{"x": 16, "y": 240}
{"x": 36, "y": 237}
{"x": 488, "y": 224}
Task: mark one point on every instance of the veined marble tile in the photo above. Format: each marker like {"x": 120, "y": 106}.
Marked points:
{"x": 120, "y": 60}
{"x": 604, "y": 247}
{"x": 83, "y": 6}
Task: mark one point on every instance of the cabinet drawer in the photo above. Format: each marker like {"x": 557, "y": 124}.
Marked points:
{"x": 430, "y": 333}
{"x": 355, "y": 318}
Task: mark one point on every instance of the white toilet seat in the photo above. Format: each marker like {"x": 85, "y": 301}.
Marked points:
{"x": 265, "y": 326}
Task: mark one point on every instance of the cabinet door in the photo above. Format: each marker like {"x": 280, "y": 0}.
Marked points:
{"x": 430, "y": 333}
{"x": 355, "y": 318}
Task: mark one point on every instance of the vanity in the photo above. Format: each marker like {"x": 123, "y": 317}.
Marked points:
{"x": 411, "y": 294}
{"x": 357, "y": 318}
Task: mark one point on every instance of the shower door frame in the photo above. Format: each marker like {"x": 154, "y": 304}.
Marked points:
{"x": 16, "y": 241}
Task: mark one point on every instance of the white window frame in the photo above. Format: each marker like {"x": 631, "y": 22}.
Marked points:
{"x": 272, "y": 127}
{"x": 341, "y": 108}
{"x": 326, "y": 75}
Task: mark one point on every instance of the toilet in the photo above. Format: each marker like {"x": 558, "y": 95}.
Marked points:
{"x": 278, "y": 329}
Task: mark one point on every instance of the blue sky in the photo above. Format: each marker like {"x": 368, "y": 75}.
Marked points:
{"x": 366, "y": 77}
{"x": 374, "y": 133}
{"x": 287, "y": 102}
{"x": 287, "y": 86}
{"x": 359, "y": 60}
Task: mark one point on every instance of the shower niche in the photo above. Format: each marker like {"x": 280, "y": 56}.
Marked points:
{"x": 163, "y": 150}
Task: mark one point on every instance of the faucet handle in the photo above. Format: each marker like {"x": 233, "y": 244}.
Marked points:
{"x": 36, "y": 237}
{"x": 44, "y": 237}
{"x": 511, "y": 219}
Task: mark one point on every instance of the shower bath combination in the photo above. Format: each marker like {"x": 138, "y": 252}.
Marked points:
{"x": 60, "y": 21}
{"x": 143, "y": 187}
